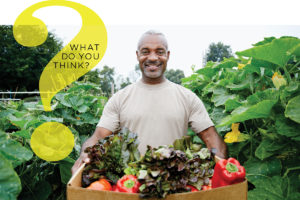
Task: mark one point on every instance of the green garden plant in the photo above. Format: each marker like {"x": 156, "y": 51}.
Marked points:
{"x": 254, "y": 101}
{"x": 23, "y": 174}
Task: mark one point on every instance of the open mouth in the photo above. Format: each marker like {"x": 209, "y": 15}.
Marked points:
{"x": 152, "y": 66}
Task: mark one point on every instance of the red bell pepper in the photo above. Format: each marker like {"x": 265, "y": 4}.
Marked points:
{"x": 228, "y": 172}
{"x": 128, "y": 184}
{"x": 115, "y": 188}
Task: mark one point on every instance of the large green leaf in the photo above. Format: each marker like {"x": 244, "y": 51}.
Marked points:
{"x": 243, "y": 113}
{"x": 236, "y": 149}
{"x": 268, "y": 94}
{"x": 295, "y": 51}
{"x": 251, "y": 69}
{"x": 265, "y": 41}
{"x": 83, "y": 87}
{"x": 273, "y": 188}
{"x": 65, "y": 166}
{"x": 258, "y": 105}
{"x": 10, "y": 184}
{"x": 41, "y": 191}
{"x": 13, "y": 150}
{"x": 75, "y": 101}
{"x": 209, "y": 88}
{"x": 18, "y": 122}
{"x": 50, "y": 119}
{"x": 83, "y": 108}
{"x": 217, "y": 115}
{"x": 24, "y": 134}
{"x": 89, "y": 118}
{"x": 6, "y": 113}
{"x": 34, "y": 123}
{"x": 274, "y": 52}
{"x": 232, "y": 104}
{"x": 207, "y": 71}
{"x": 292, "y": 110}
{"x": 265, "y": 67}
{"x": 268, "y": 147}
{"x": 257, "y": 170}
{"x": 220, "y": 96}
{"x": 226, "y": 63}
{"x": 286, "y": 127}
{"x": 289, "y": 91}
{"x": 239, "y": 86}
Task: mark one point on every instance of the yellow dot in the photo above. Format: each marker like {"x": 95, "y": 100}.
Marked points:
{"x": 30, "y": 31}
{"x": 52, "y": 141}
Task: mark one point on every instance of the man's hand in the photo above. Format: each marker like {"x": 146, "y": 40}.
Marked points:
{"x": 82, "y": 159}
{"x": 212, "y": 140}
{"x": 98, "y": 134}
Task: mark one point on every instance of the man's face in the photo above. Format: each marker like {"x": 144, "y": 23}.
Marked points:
{"x": 153, "y": 57}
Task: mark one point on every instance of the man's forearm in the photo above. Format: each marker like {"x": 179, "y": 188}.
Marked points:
{"x": 212, "y": 140}
{"x": 88, "y": 143}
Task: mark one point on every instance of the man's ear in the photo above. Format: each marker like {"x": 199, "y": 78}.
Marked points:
{"x": 168, "y": 55}
{"x": 137, "y": 54}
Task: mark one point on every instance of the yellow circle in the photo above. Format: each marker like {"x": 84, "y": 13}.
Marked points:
{"x": 30, "y": 31}
{"x": 52, "y": 141}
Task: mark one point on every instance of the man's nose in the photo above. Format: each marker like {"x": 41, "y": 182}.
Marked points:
{"x": 152, "y": 56}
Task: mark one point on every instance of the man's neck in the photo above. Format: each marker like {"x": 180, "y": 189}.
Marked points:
{"x": 152, "y": 81}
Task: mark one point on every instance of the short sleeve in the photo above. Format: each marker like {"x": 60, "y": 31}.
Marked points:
{"x": 110, "y": 118}
{"x": 199, "y": 119}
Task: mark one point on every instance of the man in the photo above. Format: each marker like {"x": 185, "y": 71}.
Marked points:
{"x": 158, "y": 110}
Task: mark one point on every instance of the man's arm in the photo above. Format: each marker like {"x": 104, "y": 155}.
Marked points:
{"x": 212, "y": 140}
{"x": 98, "y": 134}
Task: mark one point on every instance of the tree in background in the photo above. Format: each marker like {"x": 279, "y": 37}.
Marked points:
{"x": 92, "y": 76}
{"x": 107, "y": 80}
{"x": 104, "y": 78}
{"x": 217, "y": 52}
{"x": 174, "y": 75}
{"x": 21, "y": 66}
{"x": 125, "y": 82}
{"x": 135, "y": 74}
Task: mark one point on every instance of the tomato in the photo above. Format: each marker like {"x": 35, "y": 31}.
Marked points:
{"x": 206, "y": 187}
{"x": 193, "y": 189}
{"x": 101, "y": 184}
{"x": 210, "y": 182}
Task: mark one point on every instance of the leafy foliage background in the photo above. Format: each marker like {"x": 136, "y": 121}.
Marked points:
{"x": 235, "y": 90}
{"x": 79, "y": 107}
{"x": 24, "y": 64}
{"x": 241, "y": 90}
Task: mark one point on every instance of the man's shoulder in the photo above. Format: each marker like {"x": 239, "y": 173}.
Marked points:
{"x": 125, "y": 90}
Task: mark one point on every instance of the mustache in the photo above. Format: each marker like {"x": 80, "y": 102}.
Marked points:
{"x": 149, "y": 62}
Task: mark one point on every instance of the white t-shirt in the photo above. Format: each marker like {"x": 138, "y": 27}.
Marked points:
{"x": 158, "y": 113}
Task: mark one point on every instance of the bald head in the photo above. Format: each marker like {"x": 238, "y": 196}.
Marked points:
{"x": 153, "y": 32}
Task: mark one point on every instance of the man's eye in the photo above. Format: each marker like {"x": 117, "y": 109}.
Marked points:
{"x": 160, "y": 53}
{"x": 144, "y": 52}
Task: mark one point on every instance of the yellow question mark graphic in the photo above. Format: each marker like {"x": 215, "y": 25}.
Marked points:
{"x": 53, "y": 141}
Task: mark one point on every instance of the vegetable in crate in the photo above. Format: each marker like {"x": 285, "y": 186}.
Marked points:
{"x": 228, "y": 172}
{"x": 101, "y": 184}
{"x": 110, "y": 157}
{"x": 128, "y": 184}
{"x": 193, "y": 189}
{"x": 166, "y": 170}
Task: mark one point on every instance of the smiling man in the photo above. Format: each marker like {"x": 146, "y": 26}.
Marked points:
{"x": 158, "y": 110}
{"x": 153, "y": 55}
